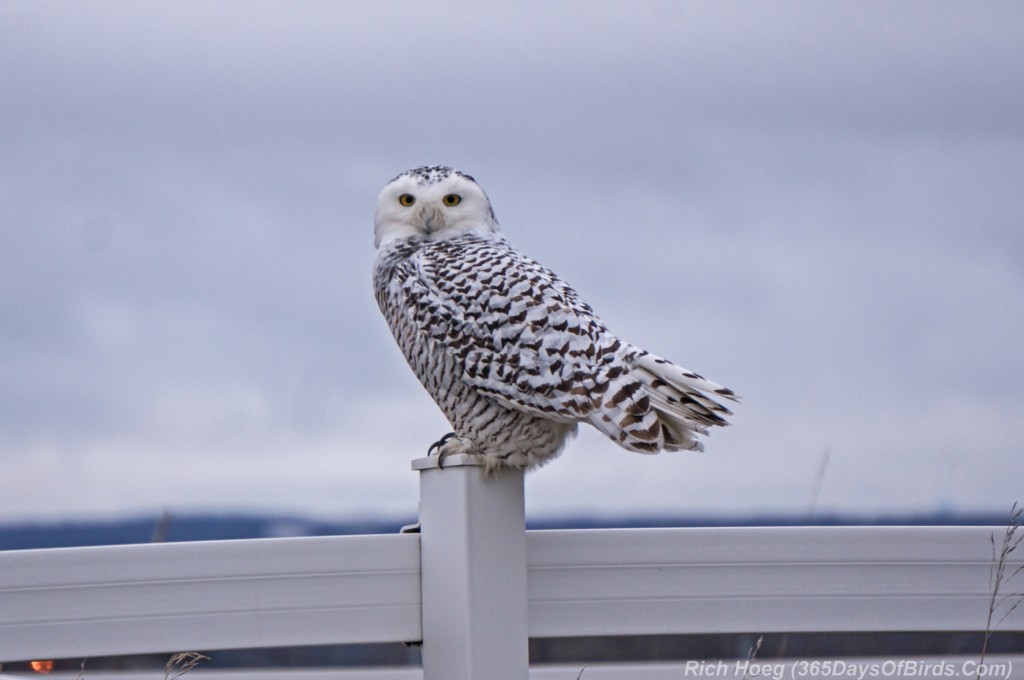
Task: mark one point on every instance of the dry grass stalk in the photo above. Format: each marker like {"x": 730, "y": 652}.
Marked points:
{"x": 182, "y": 663}
{"x": 1001, "y": 603}
{"x": 752, "y": 654}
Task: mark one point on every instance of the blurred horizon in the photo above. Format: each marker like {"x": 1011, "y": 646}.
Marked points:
{"x": 208, "y": 526}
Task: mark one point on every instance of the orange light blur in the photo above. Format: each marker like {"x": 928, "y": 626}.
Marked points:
{"x": 41, "y": 666}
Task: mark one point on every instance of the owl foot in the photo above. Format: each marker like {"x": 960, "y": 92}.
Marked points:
{"x": 448, "y": 445}
{"x": 439, "y": 445}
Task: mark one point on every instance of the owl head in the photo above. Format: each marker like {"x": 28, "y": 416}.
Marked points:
{"x": 432, "y": 202}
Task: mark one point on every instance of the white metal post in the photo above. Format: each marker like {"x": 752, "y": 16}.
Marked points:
{"x": 473, "y": 571}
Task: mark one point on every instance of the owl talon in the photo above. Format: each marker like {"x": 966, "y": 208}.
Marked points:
{"x": 439, "y": 446}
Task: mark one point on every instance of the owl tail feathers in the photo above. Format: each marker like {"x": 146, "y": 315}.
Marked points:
{"x": 660, "y": 406}
{"x": 672, "y": 382}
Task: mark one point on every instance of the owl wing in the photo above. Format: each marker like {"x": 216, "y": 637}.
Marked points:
{"x": 520, "y": 334}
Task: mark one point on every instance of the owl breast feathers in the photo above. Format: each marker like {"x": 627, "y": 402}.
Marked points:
{"x": 508, "y": 350}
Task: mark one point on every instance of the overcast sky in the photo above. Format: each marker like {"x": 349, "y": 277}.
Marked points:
{"x": 817, "y": 204}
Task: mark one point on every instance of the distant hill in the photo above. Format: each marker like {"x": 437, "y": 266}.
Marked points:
{"x": 210, "y": 527}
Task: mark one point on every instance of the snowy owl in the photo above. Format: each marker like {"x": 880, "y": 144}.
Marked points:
{"x": 508, "y": 350}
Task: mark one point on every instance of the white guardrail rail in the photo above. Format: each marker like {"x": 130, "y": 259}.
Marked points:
{"x": 473, "y": 585}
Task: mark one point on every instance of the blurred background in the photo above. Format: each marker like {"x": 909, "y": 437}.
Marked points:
{"x": 817, "y": 204}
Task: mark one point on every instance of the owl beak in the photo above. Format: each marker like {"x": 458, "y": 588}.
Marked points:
{"x": 433, "y": 219}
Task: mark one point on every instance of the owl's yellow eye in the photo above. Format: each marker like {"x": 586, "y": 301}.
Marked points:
{"x": 452, "y": 199}
{"x": 407, "y": 199}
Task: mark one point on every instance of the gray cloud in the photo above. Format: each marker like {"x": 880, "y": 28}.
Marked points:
{"x": 813, "y": 203}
